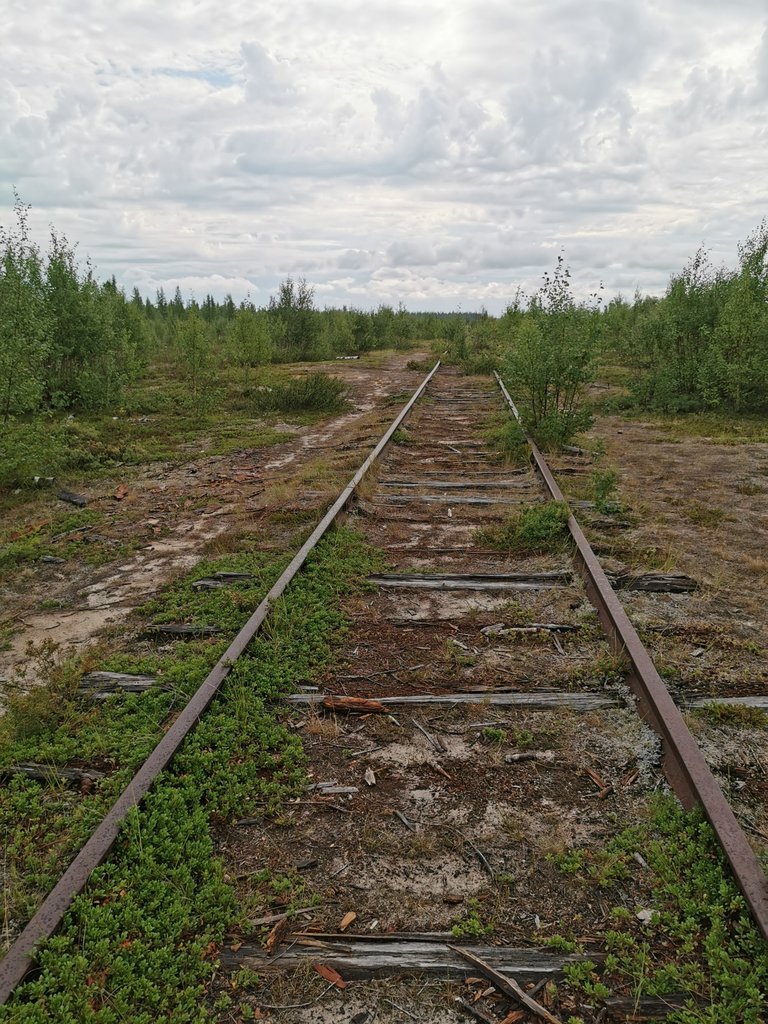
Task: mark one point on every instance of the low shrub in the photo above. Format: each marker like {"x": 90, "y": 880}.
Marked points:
{"x": 317, "y": 392}
{"x": 508, "y": 440}
{"x": 540, "y": 529}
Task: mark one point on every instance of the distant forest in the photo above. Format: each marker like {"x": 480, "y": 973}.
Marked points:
{"x": 70, "y": 342}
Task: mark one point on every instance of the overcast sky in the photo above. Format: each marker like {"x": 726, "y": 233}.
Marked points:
{"x": 437, "y": 154}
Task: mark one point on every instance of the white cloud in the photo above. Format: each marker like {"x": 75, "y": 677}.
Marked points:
{"x": 435, "y": 154}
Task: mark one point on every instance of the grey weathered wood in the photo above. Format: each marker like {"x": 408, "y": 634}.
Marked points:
{"x": 629, "y": 1008}
{"x": 499, "y": 629}
{"x": 748, "y": 701}
{"x": 209, "y": 583}
{"x": 382, "y": 958}
{"x": 471, "y": 1010}
{"x": 576, "y": 701}
{"x": 73, "y": 499}
{"x": 52, "y": 773}
{"x": 653, "y": 582}
{"x": 221, "y": 579}
{"x": 182, "y": 630}
{"x": 508, "y": 986}
{"x": 436, "y": 474}
{"x": 114, "y": 682}
{"x": 443, "y": 499}
{"x": 459, "y": 484}
{"x": 488, "y": 581}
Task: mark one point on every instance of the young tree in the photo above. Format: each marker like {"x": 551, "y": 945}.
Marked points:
{"x": 550, "y": 359}
{"x": 296, "y": 319}
{"x": 195, "y": 358}
{"x": 249, "y": 340}
{"x": 23, "y": 318}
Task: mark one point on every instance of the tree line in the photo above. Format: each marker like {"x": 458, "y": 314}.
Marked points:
{"x": 70, "y": 342}
{"x": 701, "y": 346}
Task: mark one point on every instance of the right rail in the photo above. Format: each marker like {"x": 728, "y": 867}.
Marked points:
{"x": 684, "y": 766}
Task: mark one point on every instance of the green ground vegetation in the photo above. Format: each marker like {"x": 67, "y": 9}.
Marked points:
{"x": 699, "y": 938}
{"x": 138, "y": 944}
{"x": 538, "y": 529}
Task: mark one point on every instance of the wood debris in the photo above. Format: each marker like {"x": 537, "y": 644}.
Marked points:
{"x": 507, "y": 985}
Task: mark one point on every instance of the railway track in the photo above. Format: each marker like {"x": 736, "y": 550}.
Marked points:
{"x": 475, "y": 728}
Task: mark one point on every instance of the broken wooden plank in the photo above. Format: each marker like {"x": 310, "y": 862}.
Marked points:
{"x": 653, "y": 582}
{"x": 506, "y": 985}
{"x": 337, "y": 702}
{"x": 98, "y": 685}
{"x": 259, "y": 922}
{"x": 73, "y": 499}
{"x": 209, "y": 583}
{"x": 221, "y": 579}
{"x": 52, "y": 773}
{"x": 471, "y": 1010}
{"x": 499, "y": 629}
{"x": 381, "y": 957}
{"x": 428, "y": 736}
{"x": 183, "y": 629}
{"x": 577, "y": 701}
{"x": 641, "y": 1008}
{"x": 477, "y": 581}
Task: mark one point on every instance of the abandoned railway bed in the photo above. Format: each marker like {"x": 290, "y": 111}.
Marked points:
{"x": 489, "y": 710}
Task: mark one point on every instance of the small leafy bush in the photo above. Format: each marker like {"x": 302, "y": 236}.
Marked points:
{"x": 540, "y": 529}
{"x": 550, "y": 359}
{"x": 508, "y": 440}
{"x": 317, "y": 392}
{"x": 604, "y": 487}
{"x": 471, "y": 925}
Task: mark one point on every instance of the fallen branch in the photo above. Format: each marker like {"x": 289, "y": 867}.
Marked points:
{"x": 480, "y": 855}
{"x": 474, "y": 1011}
{"x": 506, "y": 985}
{"x": 428, "y": 736}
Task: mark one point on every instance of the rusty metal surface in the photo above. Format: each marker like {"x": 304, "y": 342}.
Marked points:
{"x": 18, "y": 960}
{"x": 684, "y": 766}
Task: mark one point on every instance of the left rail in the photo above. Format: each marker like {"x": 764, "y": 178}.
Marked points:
{"x": 19, "y": 958}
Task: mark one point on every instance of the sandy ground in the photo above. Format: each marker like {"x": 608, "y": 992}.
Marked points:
{"x": 170, "y": 517}
{"x": 433, "y": 825}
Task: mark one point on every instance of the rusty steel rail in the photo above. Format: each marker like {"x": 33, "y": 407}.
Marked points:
{"x": 18, "y": 960}
{"x": 684, "y": 766}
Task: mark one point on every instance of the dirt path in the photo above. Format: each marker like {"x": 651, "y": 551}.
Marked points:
{"x": 156, "y": 523}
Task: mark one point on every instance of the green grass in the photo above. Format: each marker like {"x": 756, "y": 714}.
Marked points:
{"x": 539, "y": 529}
{"x": 137, "y": 946}
{"x": 505, "y": 437}
{"x": 44, "y": 537}
{"x": 701, "y": 939}
{"x": 315, "y": 392}
{"x": 740, "y": 716}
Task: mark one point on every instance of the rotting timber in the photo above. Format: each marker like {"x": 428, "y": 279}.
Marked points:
{"x": 432, "y": 770}
{"x": 467, "y": 734}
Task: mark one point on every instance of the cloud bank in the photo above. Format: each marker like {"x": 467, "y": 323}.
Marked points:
{"x": 439, "y": 155}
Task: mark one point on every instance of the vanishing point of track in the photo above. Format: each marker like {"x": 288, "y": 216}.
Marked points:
{"x": 429, "y": 498}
